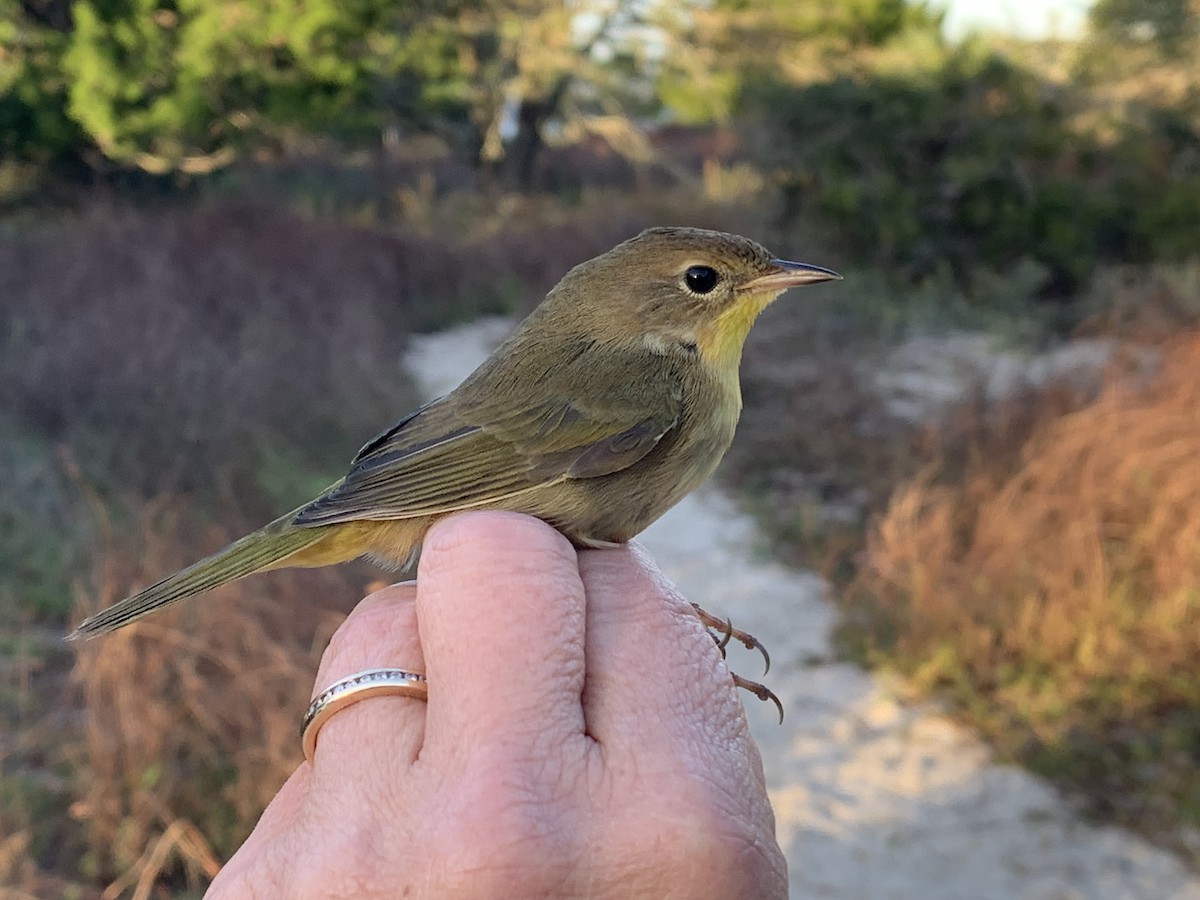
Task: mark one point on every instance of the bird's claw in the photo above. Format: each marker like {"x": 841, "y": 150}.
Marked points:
{"x": 762, "y": 692}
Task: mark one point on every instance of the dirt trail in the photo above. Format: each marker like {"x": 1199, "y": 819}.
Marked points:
{"x": 873, "y": 798}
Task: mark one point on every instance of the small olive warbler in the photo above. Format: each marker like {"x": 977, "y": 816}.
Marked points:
{"x": 616, "y": 397}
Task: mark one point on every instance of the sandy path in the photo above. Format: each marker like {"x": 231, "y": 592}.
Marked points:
{"x": 874, "y": 799}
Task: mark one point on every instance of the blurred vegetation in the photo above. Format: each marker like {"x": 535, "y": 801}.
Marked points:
{"x": 1047, "y": 581}
{"x": 172, "y": 375}
{"x": 981, "y": 161}
{"x": 220, "y": 220}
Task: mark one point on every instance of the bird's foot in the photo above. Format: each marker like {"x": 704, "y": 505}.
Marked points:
{"x": 722, "y": 631}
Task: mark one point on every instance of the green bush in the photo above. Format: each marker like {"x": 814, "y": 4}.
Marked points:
{"x": 980, "y": 161}
{"x": 184, "y": 88}
{"x": 34, "y": 125}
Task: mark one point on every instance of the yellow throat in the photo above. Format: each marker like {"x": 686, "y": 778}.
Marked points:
{"x": 721, "y": 341}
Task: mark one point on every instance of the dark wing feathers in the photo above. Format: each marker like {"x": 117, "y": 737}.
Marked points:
{"x": 619, "y": 451}
{"x": 380, "y": 441}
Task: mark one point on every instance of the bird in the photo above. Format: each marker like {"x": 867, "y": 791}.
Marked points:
{"x": 615, "y": 398}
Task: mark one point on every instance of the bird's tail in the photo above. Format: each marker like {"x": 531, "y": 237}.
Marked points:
{"x": 255, "y": 552}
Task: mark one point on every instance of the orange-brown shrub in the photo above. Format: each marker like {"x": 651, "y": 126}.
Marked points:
{"x": 1056, "y": 591}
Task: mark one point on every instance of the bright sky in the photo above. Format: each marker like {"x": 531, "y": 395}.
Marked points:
{"x": 1028, "y": 18}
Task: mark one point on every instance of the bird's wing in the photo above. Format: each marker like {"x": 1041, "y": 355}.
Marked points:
{"x": 444, "y": 458}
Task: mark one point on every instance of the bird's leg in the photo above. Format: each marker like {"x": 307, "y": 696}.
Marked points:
{"x": 724, "y": 628}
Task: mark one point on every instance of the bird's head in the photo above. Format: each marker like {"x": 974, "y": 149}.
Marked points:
{"x": 684, "y": 290}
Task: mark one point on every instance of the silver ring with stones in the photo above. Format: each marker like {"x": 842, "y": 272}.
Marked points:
{"x": 359, "y": 686}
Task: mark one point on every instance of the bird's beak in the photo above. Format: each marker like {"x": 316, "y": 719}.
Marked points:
{"x": 783, "y": 275}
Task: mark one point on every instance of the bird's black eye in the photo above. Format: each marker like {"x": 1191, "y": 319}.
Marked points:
{"x": 700, "y": 279}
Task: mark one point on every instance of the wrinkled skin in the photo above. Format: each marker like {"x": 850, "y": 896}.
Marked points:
{"x": 568, "y": 749}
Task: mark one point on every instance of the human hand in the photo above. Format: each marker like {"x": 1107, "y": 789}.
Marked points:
{"x": 568, "y": 749}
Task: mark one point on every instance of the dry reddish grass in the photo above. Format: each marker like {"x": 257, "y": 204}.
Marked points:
{"x": 1053, "y": 585}
{"x": 189, "y": 719}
